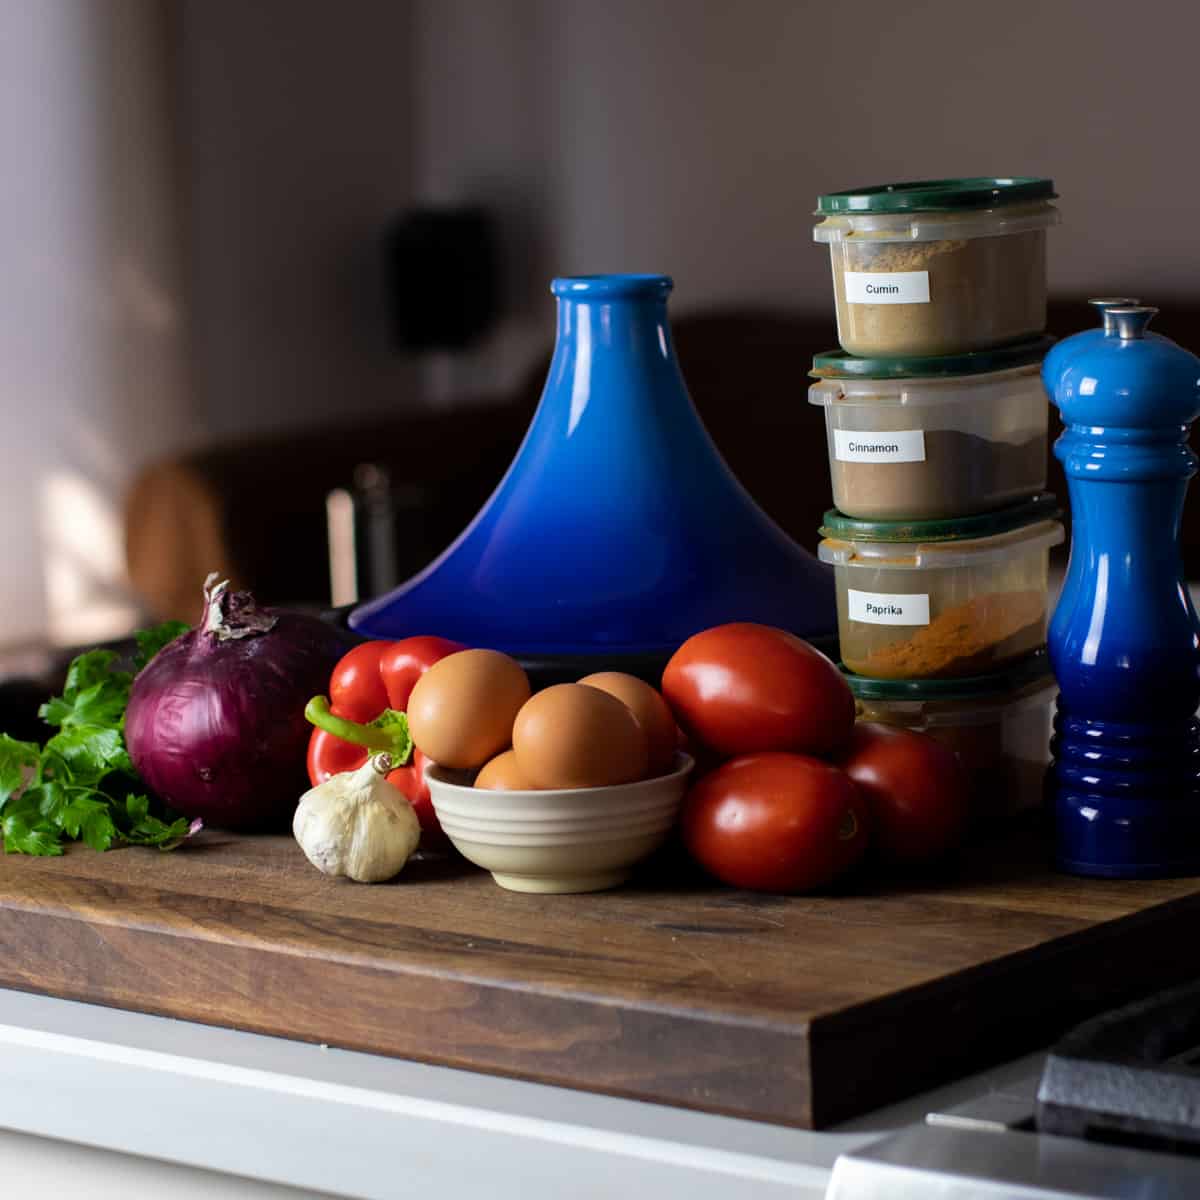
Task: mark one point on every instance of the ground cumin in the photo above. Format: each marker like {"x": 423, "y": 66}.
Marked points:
{"x": 983, "y": 291}
{"x": 969, "y": 639}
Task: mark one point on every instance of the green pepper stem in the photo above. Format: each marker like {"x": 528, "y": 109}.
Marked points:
{"x": 317, "y": 713}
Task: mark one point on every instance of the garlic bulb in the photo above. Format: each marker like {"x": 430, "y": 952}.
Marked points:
{"x": 356, "y": 824}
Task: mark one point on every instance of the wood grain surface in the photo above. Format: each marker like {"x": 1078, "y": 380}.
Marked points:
{"x": 796, "y": 1010}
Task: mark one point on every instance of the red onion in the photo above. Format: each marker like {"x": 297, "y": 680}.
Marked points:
{"x": 215, "y": 724}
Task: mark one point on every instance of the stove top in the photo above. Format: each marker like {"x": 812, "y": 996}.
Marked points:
{"x": 1130, "y": 1077}
{"x": 1114, "y": 1112}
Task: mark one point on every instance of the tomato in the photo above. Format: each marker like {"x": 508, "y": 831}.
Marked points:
{"x": 742, "y": 689}
{"x": 775, "y": 822}
{"x": 916, "y": 789}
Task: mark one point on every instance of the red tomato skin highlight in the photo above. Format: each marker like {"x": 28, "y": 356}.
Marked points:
{"x": 775, "y": 822}
{"x": 917, "y": 791}
{"x": 744, "y": 688}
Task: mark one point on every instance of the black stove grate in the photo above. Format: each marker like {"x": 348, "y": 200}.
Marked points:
{"x": 1130, "y": 1077}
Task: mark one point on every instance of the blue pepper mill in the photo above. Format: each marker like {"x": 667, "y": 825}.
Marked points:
{"x": 1123, "y": 640}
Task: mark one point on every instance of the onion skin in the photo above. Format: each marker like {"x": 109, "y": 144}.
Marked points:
{"x": 215, "y": 724}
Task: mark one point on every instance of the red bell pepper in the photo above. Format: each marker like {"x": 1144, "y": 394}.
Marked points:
{"x": 369, "y": 680}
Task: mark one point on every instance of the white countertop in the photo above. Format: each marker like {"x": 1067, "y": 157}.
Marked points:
{"x": 151, "y": 1106}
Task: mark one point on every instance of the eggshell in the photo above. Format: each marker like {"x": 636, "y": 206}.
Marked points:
{"x": 649, "y": 710}
{"x": 501, "y": 774}
{"x": 461, "y": 712}
{"x": 571, "y": 736}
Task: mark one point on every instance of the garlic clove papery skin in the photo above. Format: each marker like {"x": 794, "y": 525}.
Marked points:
{"x": 357, "y": 825}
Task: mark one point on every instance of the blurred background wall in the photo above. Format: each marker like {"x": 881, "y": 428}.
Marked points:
{"x": 194, "y": 195}
{"x": 92, "y": 320}
{"x": 693, "y": 136}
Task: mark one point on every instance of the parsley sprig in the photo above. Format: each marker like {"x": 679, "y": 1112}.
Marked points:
{"x": 81, "y": 785}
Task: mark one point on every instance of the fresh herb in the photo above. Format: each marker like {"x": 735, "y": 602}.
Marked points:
{"x": 81, "y": 785}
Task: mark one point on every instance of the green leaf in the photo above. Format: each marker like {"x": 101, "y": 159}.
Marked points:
{"x": 395, "y": 724}
{"x": 137, "y": 808}
{"x": 70, "y": 788}
{"x": 98, "y": 829}
{"x": 51, "y": 798}
{"x": 55, "y": 711}
{"x": 25, "y": 830}
{"x": 94, "y": 693}
{"x": 25, "y": 808}
{"x": 149, "y": 830}
{"x": 86, "y": 669}
{"x": 89, "y": 752}
{"x": 103, "y": 703}
{"x": 23, "y": 838}
{"x": 18, "y": 760}
{"x": 151, "y": 641}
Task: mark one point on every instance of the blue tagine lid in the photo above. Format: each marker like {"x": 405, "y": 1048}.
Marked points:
{"x": 618, "y": 530}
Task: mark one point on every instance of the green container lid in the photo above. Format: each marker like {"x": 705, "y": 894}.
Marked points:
{"x": 1025, "y": 671}
{"x": 837, "y": 364}
{"x": 1042, "y": 507}
{"x": 937, "y": 195}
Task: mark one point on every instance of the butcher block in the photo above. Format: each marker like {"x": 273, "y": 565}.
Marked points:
{"x": 803, "y": 1010}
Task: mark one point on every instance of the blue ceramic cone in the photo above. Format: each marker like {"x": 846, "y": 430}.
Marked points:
{"x": 618, "y": 529}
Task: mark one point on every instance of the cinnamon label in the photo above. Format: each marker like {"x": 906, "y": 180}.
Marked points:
{"x": 894, "y": 446}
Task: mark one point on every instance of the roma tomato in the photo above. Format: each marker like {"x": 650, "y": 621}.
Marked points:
{"x": 775, "y": 822}
{"x": 743, "y": 688}
{"x": 916, "y": 789}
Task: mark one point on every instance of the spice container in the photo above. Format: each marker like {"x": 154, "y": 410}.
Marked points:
{"x": 918, "y": 439}
{"x": 941, "y": 599}
{"x": 940, "y": 266}
{"x": 999, "y": 725}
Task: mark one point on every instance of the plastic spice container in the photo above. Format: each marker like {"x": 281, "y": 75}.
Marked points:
{"x": 999, "y": 725}
{"x": 919, "y": 439}
{"x": 941, "y": 599}
{"x": 940, "y": 266}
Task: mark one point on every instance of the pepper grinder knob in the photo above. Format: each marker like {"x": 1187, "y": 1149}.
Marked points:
{"x": 1123, "y": 641}
{"x": 1128, "y": 321}
{"x": 1057, "y": 355}
{"x": 1104, "y": 303}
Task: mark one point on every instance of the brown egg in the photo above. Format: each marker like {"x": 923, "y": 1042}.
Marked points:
{"x": 461, "y": 712}
{"x": 649, "y": 710}
{"x": 570, "y": 736}
{"x": 501, "y": 774}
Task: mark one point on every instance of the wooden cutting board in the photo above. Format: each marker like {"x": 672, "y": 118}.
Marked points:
{"x": 800, "y": 1010}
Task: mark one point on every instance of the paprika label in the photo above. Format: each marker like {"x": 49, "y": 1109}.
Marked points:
{"x": 888, "y": 608}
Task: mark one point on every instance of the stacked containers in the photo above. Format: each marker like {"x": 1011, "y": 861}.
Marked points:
{"x": 937, "y": 433}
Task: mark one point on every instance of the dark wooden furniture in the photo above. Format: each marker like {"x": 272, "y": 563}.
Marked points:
{"x": 255, "y": 509}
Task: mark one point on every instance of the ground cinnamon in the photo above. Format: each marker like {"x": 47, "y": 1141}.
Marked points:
{"x": 968, "y": 639}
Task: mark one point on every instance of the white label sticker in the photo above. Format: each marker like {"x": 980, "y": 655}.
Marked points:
{"x": 883, "y": 608}
{"x": 887, "y": 287}
{"x": 894, "y": 446}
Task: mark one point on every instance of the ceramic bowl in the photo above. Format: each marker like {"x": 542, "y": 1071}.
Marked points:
{"x": 570, "y": 840}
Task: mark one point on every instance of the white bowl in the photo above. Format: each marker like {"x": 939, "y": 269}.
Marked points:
{"x": 569, "y": 840}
